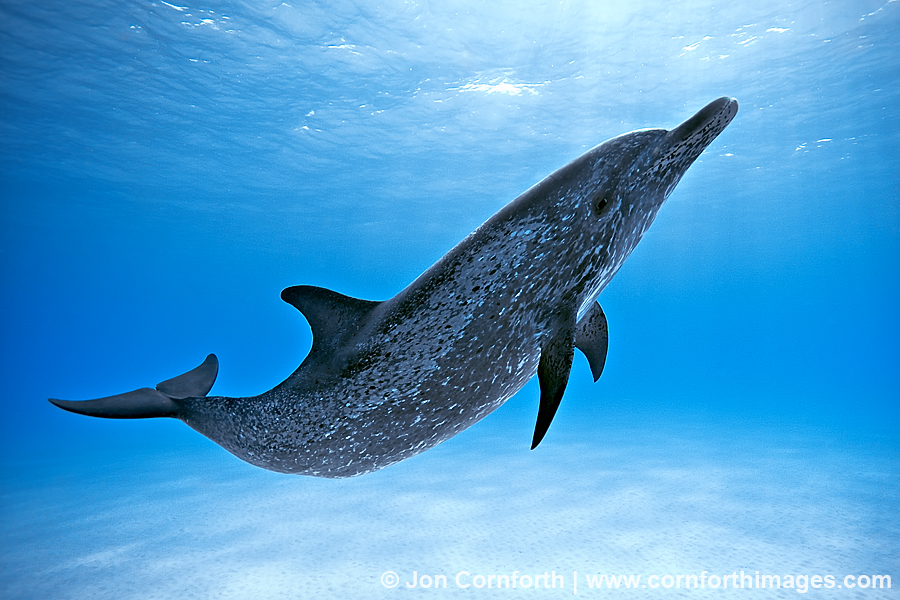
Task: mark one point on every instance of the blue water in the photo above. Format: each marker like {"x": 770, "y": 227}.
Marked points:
{"x": 166, "y": 169}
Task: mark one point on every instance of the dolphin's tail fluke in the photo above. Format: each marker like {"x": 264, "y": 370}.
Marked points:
{"x": 145, "y": 402}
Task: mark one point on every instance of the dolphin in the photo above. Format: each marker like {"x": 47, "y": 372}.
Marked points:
{"x": 387, "y": 380}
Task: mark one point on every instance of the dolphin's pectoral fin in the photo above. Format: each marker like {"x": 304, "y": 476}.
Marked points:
{"x": 196, "y": 383}
{"x": 591, "y": 337}
{"x": 146, "y": 403}
{"x": 553, "y": 375}
{"x": 331, "y": 315}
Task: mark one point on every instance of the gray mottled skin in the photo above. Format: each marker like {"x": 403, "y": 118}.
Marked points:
{"x": 385, "y": 381}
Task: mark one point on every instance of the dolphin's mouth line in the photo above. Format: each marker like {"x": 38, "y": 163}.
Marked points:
{"x": 683, "y": 145}
{"x": 714, "y": 116}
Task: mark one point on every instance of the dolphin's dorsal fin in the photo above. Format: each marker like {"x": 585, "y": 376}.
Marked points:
{"x": 332, "y": 316}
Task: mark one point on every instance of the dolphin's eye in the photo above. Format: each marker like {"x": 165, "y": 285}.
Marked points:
{"x": 600, "y": 204}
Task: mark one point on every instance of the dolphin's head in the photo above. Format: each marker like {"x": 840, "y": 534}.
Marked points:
{"x": 619, "y": 186}
{"x": 635, "y": 172}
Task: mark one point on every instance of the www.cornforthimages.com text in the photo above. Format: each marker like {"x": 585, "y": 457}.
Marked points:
{"x": 576, "y": 581}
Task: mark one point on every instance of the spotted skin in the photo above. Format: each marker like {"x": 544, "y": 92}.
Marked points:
{"x": 385, "y": 381}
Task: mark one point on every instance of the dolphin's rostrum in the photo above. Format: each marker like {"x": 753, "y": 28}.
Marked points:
{"x": 387, "y": 380}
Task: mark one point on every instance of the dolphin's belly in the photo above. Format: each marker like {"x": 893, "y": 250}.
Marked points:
{"x": 411, "y": 401}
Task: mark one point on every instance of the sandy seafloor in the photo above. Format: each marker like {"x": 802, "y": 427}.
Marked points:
{"x": 638, "y": 500}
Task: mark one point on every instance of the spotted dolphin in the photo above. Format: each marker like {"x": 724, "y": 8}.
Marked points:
{"x": 387, "y": 380}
